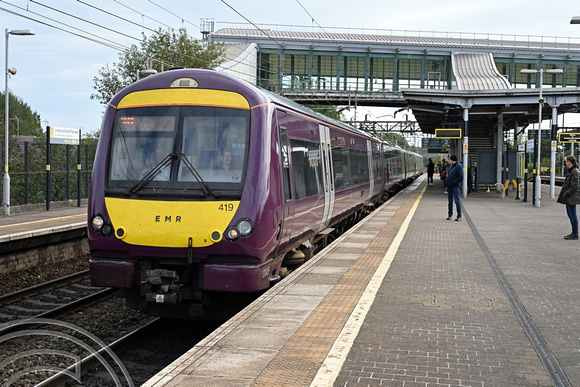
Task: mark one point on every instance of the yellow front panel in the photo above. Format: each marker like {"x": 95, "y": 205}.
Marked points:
{"x": 184, "y": 97}
{"x": 169, "y": 224}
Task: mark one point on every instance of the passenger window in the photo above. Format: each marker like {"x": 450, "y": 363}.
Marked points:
{"x": 307, "y": 168}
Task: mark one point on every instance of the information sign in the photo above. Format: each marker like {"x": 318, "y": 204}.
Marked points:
{"x": 64, "y": 136}
{"x": 435, "y": 142}
{"x": 530, "y": 146}
{"x": 448, "y": 133}
{"x": 569, "y": 137}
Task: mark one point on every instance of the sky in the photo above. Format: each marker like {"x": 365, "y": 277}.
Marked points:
{"x": 56, "y": 66}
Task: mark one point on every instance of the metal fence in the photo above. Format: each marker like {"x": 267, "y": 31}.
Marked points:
{"x": 28, "y": 177}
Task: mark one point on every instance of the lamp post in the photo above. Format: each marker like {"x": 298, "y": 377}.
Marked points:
{"x": 575, "y": 20}
{"x": 8, "y": 72}
{"x": 537, "y": 179}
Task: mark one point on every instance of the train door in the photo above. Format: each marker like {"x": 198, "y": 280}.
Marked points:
{"x": 371, "y": 170}
{"x": 285, "y": 224}
{"x": 328, "y": 179}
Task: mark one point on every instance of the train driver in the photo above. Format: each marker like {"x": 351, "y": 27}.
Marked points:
{"x": 226, "y": 158}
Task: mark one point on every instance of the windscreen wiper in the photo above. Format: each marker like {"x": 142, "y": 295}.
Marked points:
{"x": 195, "y": 174}
{"x": 152, "y": 173}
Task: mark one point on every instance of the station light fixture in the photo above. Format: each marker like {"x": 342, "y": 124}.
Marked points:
{"x": 7, "y": 73}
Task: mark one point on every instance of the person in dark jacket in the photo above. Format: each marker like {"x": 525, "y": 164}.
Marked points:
{"x": 453, "y": 183}
{"x": 430, "y": 171}
{"x": 570, "y": 194}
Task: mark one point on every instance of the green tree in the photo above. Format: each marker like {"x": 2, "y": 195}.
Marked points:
{"x": 328, "y": 110}
{"x": 397, "y": 139}
{"x": 23, "y": 120}
{"x": 162, "y": 50}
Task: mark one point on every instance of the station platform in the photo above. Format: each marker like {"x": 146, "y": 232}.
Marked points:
{"x": 407, "y": 298}
{"x": 26, "y": 224}
{"x": 31, "y": 238}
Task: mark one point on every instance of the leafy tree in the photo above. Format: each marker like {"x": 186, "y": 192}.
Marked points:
{"x": 162, "y": 50}
{"x": 396, "y": 138}
{"x": 328, "y": 110}
{"x": 23, "y": 120}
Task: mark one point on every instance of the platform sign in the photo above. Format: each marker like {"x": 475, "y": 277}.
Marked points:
{"x": 530, "y": 147}
{"x": 61, "y": 136}
{"x": 568, "y": 137}
{"x": 64, "y": 136}
{"x": 435, "y": 142}
{"x": 437, "y": 150}
{"x": 448, "y": 133}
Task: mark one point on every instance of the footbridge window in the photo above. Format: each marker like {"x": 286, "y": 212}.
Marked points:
{"x": 410, "y": 71}
{"x": 382, "y": 71}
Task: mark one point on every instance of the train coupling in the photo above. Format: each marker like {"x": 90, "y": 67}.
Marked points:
{"x": 162, "y": 286}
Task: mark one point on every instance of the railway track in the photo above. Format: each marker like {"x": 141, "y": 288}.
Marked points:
{"x": 35, "y": 319}
{"x": 51, "y": 299}
{"x": 140, "y": 354}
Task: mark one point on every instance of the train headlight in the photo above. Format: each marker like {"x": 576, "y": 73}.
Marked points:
{"x": 97, "y": 223}
{"x": 107, "y": 229}
{"x": 232, "y": 234}
{"x": 245, "y": 227}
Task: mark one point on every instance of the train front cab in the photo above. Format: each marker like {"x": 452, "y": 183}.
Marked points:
{"x": 168, "y": 220}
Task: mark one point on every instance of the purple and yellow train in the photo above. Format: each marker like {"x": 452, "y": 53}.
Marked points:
{"x": 204, "y": 184}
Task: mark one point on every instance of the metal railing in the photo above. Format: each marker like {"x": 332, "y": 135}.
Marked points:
{"x": 461, "y": 38}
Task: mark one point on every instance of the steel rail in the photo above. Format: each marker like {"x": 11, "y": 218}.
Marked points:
{"x": 35, "y": 289}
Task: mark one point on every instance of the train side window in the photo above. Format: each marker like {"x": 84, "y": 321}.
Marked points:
{"x": 306, "y": 166}
{"x": 338, "y": 166}
{"x": 377, "y": 165}
{"x": 359, "y": 166}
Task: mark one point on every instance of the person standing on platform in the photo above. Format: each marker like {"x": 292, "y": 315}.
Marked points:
{"x": 443, "y": 173}
{"x": 469, "y": 180}
{"x": 570, "y": 194}
{"x": 453, "y": 183}
{"x": 430, "y": 171}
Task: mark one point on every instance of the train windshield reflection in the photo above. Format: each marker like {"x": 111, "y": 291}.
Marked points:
{"x": 213, "y": 141}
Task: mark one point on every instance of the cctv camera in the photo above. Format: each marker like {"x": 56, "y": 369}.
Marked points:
{"x": 12, "y": 71}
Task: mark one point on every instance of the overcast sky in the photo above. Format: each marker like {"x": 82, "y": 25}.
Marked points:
{"x": 56, "y": 68}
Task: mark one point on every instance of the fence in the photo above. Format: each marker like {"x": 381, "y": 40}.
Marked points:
{"x": 28, "y": 177}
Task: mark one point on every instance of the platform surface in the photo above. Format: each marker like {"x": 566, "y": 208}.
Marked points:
{"x": 407, "y": 298}
{"x": 24, "y": 225}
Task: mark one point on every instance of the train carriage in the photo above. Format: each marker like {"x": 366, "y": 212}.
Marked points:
{"x": 204, "y": 183}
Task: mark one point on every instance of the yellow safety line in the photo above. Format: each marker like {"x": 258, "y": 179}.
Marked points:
{"x": 45, "y": 220}
{"x": 332, "y": 365}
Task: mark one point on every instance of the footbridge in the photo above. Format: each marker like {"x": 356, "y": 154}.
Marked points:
{"x": 470, "y": 81}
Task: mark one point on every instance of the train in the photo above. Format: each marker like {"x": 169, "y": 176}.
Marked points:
{"x": 205, "y": 186}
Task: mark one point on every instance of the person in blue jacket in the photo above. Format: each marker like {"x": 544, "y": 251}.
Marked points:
{"x": 453, "y": 183}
